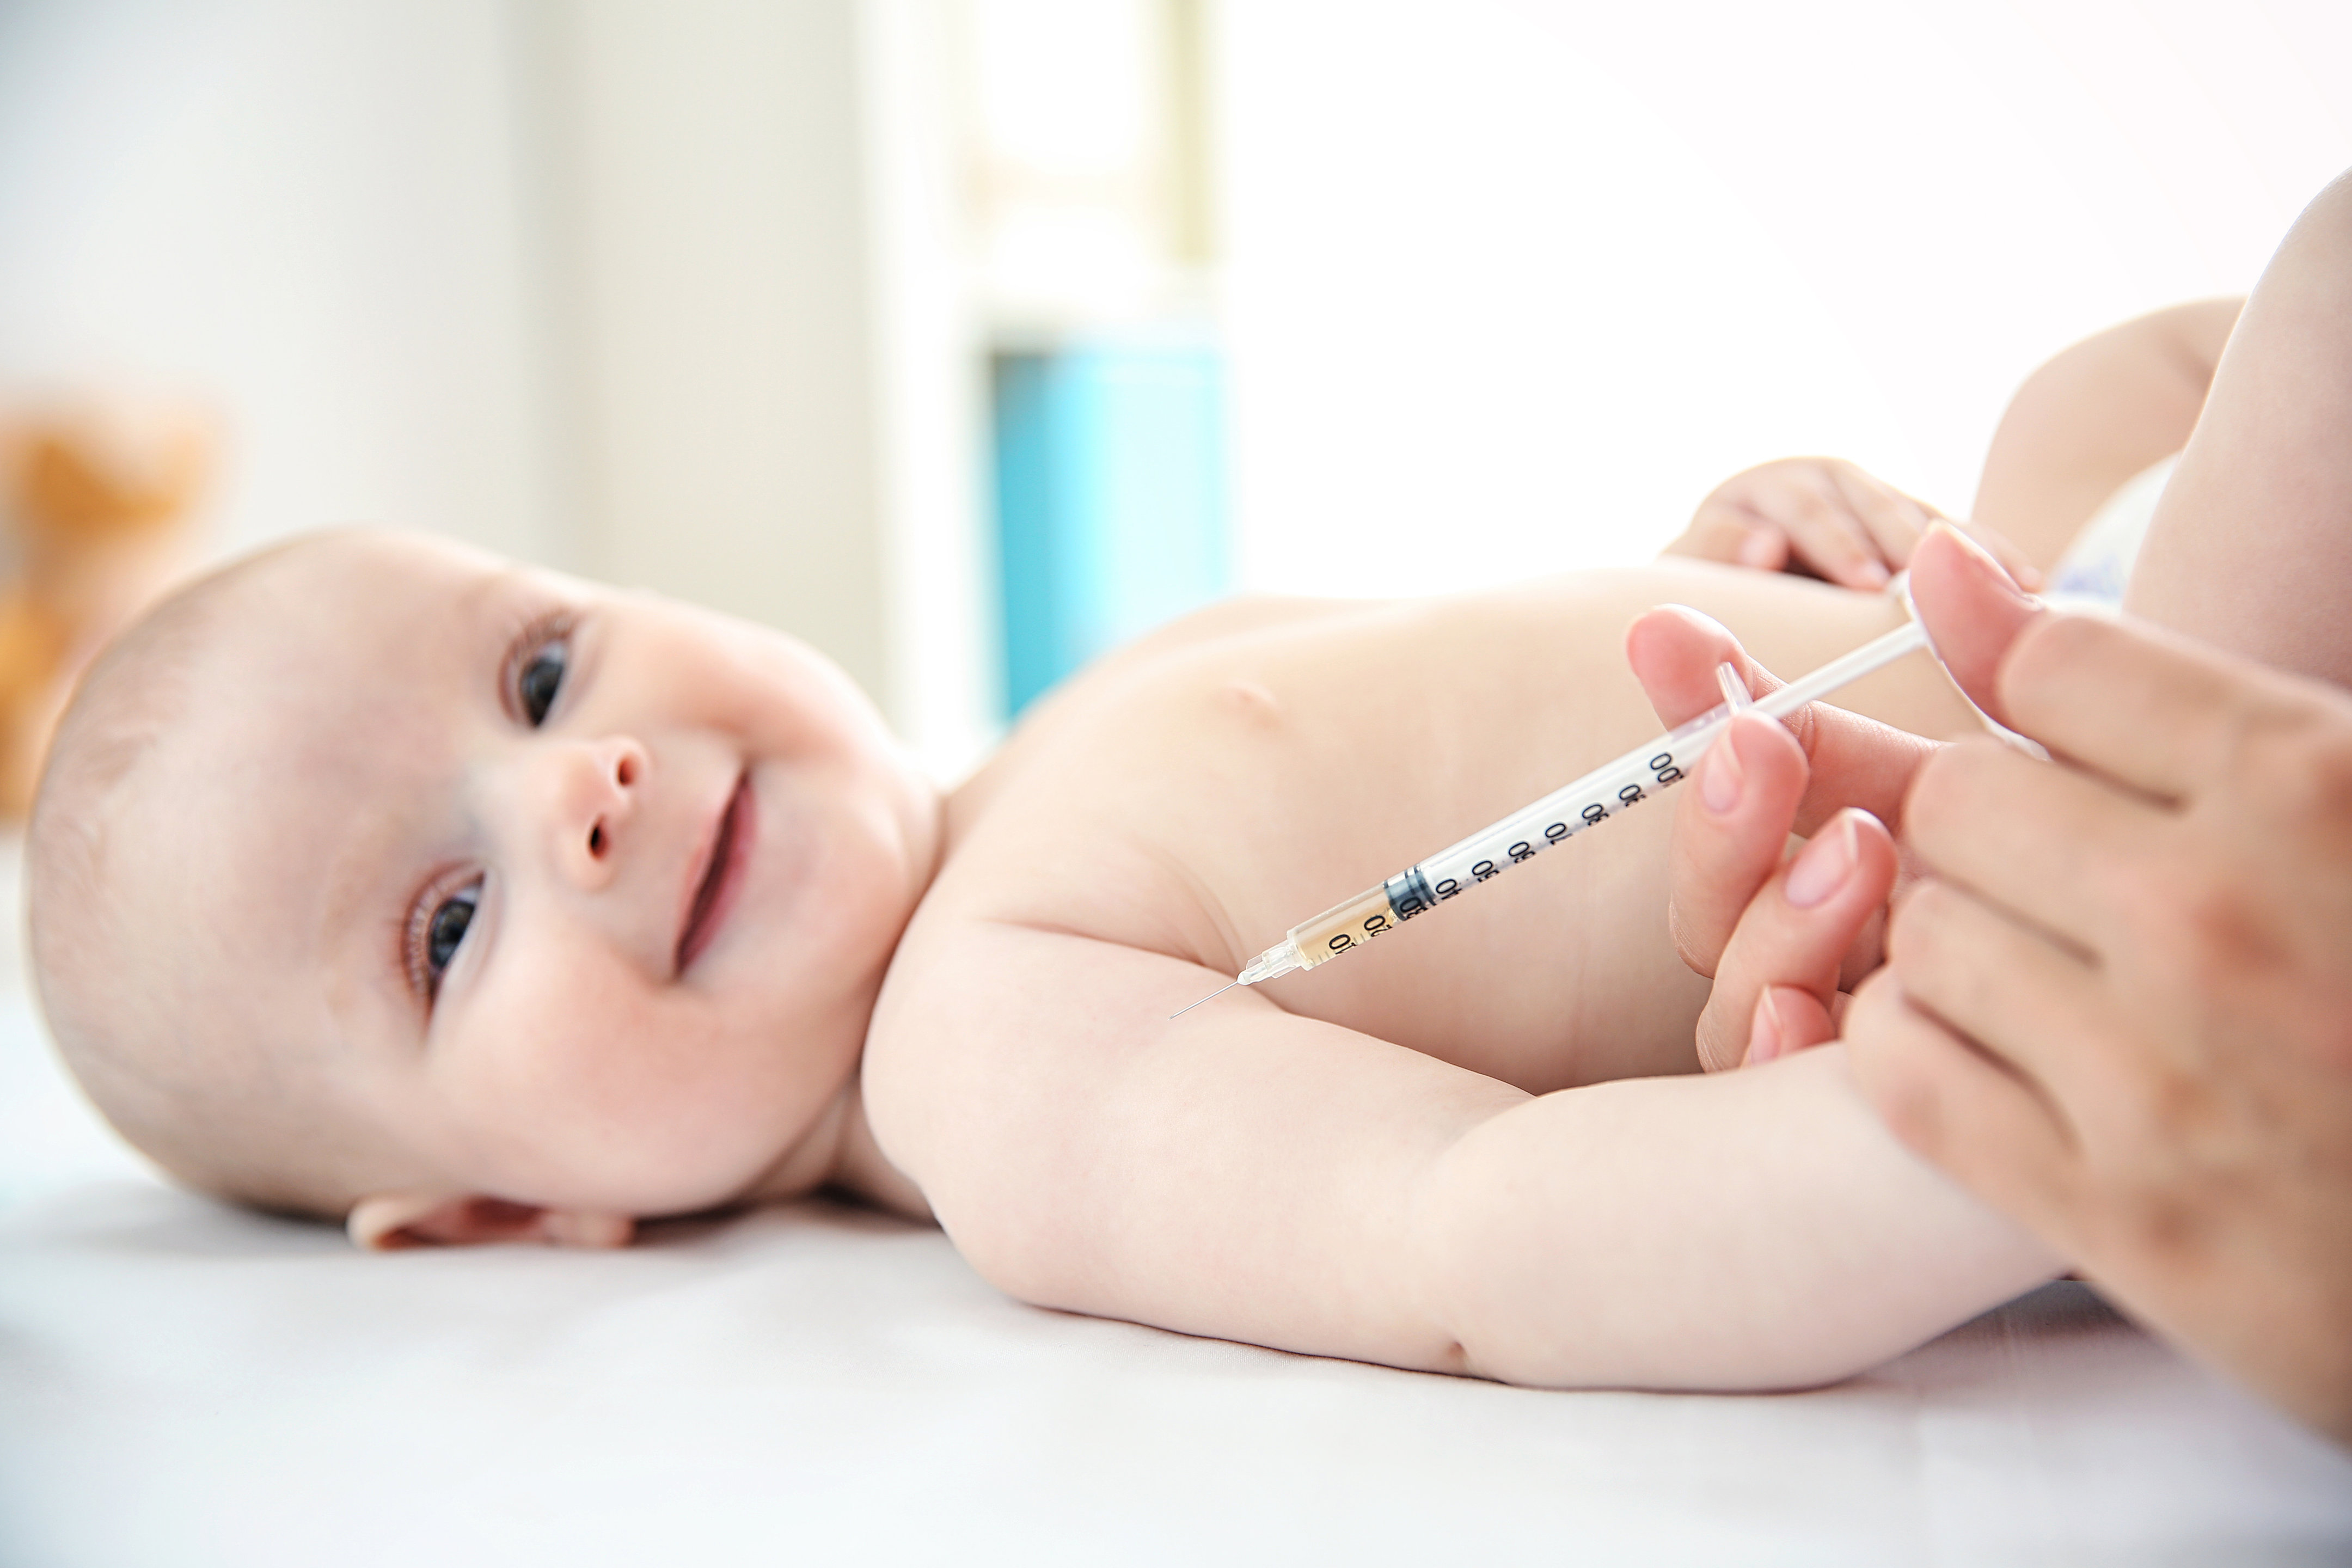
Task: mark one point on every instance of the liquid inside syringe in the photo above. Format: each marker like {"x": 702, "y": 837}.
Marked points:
{"x": 1601, "y": 796}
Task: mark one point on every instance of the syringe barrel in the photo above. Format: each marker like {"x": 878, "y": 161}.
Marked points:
{"x": 1352, "y": 923}
{"x": 1607, "y": 790}
{"x": 1492, "y": 850}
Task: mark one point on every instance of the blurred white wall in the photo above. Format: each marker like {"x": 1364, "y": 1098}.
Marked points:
{"x": 1510, "y": 285}
{"x": 705, "y": 164}
{"x": 592, "y": 282}
{"x": 684, "y": 292}
{"x": 588, "y": 283}
{"x": 312, "y": 217}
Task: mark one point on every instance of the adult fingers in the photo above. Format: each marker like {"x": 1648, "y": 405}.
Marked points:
{"x": 1788, "y": 1019}
{"x": 1956, "y": 1108}
{"x": 1795, "y": 933}
{"x": 2050, "y": 844}
{"x": 1731, "y": 828}
{"x": 1971, "y": 609}
{"x": 1854, "y": 760}
{"x": 1675, "y": 652}
{"x": 2038, "y": 1008}
{"x": 2158, "y": 714}
{"x": 2014, "y": 561}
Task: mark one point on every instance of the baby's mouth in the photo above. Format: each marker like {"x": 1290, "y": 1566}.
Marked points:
{"x": 720, "y": 877}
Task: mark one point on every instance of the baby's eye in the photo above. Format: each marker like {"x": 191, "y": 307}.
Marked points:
{"x": 540, "y": 679}
{"x": 446, "y": 929}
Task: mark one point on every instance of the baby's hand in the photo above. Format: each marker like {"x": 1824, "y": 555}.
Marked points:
{"x": 1825, "y": 518}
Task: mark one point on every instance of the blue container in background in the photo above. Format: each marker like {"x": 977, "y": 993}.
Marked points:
{"x": 1110, "y": 500}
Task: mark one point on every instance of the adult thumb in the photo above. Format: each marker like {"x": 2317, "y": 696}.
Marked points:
{"x": 1972, "y": 609}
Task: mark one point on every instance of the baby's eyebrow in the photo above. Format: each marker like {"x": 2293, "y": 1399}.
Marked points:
{"x": 518, "y": 605}
{"x": 503, "y": 603}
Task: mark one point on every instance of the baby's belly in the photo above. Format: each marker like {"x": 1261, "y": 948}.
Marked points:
{"x": 1204, "y": 805}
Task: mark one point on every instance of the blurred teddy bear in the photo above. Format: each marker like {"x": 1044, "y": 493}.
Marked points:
{"x": 96, "y": 507}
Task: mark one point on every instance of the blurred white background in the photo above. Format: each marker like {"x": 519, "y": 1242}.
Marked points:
{"x": 694, "y": 293}
{"x": 1512, "y": 285}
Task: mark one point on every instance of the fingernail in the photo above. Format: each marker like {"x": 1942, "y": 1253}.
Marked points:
{"x": 1765, "y": 1032}
{"x": 1987, "y": 567}
{"x": 1875, "y": 573}
{"x": 1721, "y": 779}
{"x": 1824, "y": 866}
{"x": 567, "y": 1229}
{"x": 1759, "y": 549}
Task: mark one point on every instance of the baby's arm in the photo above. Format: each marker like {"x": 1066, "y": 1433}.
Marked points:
{"x": 1251, "y": 1174}
{"x": 2251, "y": 549}
{"x": 2082, "y": 423}
{"x": 1822, "y": 517}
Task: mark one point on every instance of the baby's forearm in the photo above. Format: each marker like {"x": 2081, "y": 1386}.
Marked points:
{"x": 1758, "y": 1229}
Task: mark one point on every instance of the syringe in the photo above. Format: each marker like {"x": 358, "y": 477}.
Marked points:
{"x": 1606, "y": 791}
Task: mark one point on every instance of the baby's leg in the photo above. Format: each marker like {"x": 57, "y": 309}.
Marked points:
{"x": 2094, "y": 416}
{"x": 2252, "y": 546}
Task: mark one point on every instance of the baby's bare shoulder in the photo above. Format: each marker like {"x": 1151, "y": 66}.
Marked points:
{"x": 1104, "y": 813}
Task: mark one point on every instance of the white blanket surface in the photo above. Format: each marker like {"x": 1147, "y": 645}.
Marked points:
{"x": 185, "y": 1384}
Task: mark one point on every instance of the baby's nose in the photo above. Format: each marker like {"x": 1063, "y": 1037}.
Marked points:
{"x": 597, "y": 794}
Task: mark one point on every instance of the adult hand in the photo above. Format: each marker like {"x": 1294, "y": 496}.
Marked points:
{"x": 1825, "y": 517}
{"x": 1779, "y": 937}
{"x": 2119, "y": 1005}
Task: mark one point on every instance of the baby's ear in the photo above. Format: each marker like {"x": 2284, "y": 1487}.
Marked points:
{"x": 389, "y": 1221}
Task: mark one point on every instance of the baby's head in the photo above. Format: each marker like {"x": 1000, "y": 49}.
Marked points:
{"x": 375, "y": 876}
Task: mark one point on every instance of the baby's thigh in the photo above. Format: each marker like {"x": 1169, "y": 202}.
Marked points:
{"x": 2251, "y": 548}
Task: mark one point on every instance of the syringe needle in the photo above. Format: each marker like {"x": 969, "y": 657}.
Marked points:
{"x": 1211, "y": 996}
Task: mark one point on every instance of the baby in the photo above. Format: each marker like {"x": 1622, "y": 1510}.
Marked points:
{"x": 376, "y": 878}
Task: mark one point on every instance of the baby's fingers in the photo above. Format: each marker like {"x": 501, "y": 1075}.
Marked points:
{"x": 1731, "y": 534}
{"x": 2014, "y": 561}
{"x": 1829, "y": 534}
{"x": 1896, "y": 521}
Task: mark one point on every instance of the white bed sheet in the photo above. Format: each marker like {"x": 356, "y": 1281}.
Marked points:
{"x": 184, "y": 1383}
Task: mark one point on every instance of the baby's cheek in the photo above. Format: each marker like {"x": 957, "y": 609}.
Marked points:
{"x": 602, "y": 1096}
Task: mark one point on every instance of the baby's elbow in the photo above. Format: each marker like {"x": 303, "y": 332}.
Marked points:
{"x": 1599, "y": 1333}
{"x": 1013, "y": 1246}
{"x": 1019, "y": 1271}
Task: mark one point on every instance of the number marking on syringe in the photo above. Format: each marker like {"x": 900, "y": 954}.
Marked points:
{"x": 1664, "y": 771}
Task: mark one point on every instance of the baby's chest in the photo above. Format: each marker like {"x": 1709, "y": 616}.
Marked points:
{"x": 1208, "y": 828}
{"x": 1553, "y": 971}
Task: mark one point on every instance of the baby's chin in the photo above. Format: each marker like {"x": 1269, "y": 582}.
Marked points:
{"x": 727, "y": 1147}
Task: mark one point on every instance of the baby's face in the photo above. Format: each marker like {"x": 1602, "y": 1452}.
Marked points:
{"x": 581, "y": 897}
